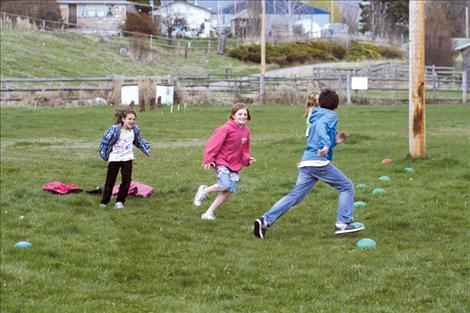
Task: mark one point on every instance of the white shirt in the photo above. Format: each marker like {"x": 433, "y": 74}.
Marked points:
{"x": 122, "y": 150}
{"x": 315, "y": 163}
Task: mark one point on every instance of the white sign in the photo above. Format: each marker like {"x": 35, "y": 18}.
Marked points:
{"x": 166, "y": 93}
{"x": 359, "y": 83}
{"x": 130, "y": 93}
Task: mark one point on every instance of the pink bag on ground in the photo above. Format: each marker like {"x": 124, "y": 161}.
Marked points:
{"x": 136, "y": 189}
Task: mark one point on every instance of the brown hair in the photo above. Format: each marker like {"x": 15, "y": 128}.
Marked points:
{"x": 236, "y": 107}
{"x": 328, "y": 99}
{"x": 312, "y": 101}
{"x": 122, "y": 113}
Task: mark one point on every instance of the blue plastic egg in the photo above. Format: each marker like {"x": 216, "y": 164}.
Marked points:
{"x": 23, "y": 244}
{"x": 378, "y": 191}
{"x": 359, "y": 204}
{"x": 366, "y": 243}
{"x": 385, "y": 179}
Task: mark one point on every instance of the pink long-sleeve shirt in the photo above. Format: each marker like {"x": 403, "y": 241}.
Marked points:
{"x": 229, "y": 146}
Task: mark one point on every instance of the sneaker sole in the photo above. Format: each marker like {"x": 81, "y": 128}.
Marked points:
{"x": 258, "y": 229}
{"x": 348, "y": 231}
{"x": 199, "y": 191}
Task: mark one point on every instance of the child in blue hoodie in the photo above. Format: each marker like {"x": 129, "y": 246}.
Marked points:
{"x": 316, "y": 165}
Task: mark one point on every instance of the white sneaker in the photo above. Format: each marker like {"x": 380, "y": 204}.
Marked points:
{"x": 102, "y": 205}
{"x": 119, "y": 205}
{"x": 208, "y": 217}
{"x": 200, "y": 195}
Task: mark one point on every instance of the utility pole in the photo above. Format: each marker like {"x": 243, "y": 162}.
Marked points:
{"x": 416, "y": 116}
{"x": 263, "y": 50}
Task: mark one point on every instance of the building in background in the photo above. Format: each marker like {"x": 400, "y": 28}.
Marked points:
{"x": 99, "y": 16}
{"x": 186, "y": 19}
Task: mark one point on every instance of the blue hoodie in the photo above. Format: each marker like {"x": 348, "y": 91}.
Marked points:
{"x": 321, "y": 133}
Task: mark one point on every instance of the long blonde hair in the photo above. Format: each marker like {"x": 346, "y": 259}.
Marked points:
{"x": 312, "y": 101}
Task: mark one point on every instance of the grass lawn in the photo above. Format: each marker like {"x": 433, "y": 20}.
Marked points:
{"x": 156, "y": 255}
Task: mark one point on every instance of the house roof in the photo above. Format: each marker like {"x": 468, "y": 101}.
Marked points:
{"x": 274, "y": 8}
{"x": 123, "y": 2}
{"x": 461, "y": 43}
{"x": 185, "y": 3}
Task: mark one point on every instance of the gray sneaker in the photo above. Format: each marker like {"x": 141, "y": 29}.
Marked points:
{"x": 200, "y": 195}
{"x": 347, "y": 228}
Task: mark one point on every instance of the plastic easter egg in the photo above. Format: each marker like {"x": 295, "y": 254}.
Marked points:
{"x": 359, "y": 204}
{"x": 358, "y": 224}
{"x": 366, "y": 243}
{"x": 385, "y": 179}
{"x": 23, "y": 244}
{"x": 409, "y": 170}
{"x": 387, "y": 161}
{"x": 378, "y": 191}
{"x": 361, "y": 186}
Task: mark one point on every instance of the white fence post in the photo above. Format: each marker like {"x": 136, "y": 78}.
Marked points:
{"x": 464, "y": 86}
{"x": 348, "y": 88}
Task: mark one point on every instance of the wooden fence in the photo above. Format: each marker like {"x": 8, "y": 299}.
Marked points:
{"x": 387, "y": 83}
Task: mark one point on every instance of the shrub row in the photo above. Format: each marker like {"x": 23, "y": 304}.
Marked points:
{"x": 311, "y": 51}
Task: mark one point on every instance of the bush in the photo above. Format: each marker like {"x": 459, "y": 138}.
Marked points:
{"x": 140, "y": 23}
{"x": 363, "y": 51}
{"x": 303, "y": 52}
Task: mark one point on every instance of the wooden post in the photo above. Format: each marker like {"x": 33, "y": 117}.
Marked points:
{"x": 434, "y": 82}
{"x": 263, "y": 50}
{"x": 348, "y": 88}
{"x": 416, "y": 116}
{"x": 464, "y": 87}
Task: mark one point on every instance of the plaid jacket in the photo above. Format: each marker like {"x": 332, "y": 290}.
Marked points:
{"x": 111, "y": 136}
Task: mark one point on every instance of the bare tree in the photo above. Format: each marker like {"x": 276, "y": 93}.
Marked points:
{"x": 438, "y": 40}
{"x": 350, "y": 16}
{"x": 167, "y": 19}
{"x": 45, "y": 9}
{"x": 455, "y": 12}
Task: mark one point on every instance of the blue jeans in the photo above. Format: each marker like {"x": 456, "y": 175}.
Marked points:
{"x": 306, "y": 179}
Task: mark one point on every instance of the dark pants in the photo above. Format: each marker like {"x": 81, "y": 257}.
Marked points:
{"x": 113, "y": 170}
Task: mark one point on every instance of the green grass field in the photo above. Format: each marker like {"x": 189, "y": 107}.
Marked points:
{"x": 156, "y": 255}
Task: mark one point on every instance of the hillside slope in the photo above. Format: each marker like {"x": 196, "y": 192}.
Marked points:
{"x": 27, "y": 53}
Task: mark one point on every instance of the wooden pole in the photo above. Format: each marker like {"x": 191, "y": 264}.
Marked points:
{"x": 416, "y": 116}
{"x": 263, "y": 50}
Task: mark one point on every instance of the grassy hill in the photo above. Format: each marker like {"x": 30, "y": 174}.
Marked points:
{"x": 26, "y": 53}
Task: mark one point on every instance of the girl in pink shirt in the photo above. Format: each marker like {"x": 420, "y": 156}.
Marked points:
{"x": 227, "y": 151}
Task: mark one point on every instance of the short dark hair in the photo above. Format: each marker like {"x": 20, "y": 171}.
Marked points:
{"x": 328, "y": 99}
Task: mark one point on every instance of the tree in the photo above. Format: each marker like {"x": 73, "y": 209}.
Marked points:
{"x": 384, "y": 18}
{"x": 438, "y": 40}
{"x": 45, "y": 9}
{"x": 455, "y": 13}
{"x": 140, "y": 23}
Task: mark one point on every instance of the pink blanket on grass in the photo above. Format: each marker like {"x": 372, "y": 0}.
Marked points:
{"x": 136, "y": 189}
